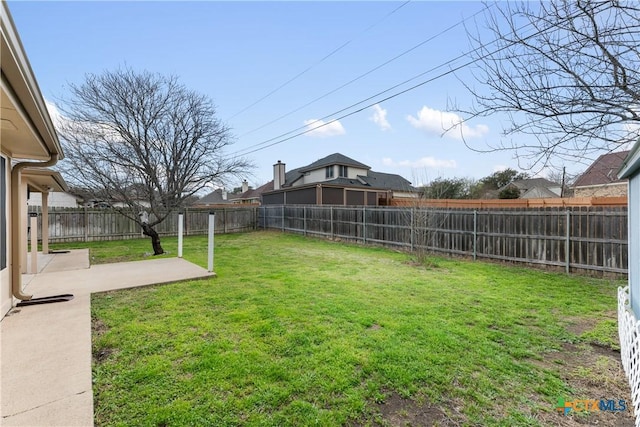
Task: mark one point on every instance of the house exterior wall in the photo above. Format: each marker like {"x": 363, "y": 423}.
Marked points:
{"x": 56, "y": 200}
{"x": 305, "y": 196}
{"x": 372, "y": 199}
{"x": 557, "y": 190}
{"x": 332, "y": 196}
{"x": 634, "y": 242}
{"x": 319, "y": 175}
{"x": 6, "y": 298}
{"x": 606, "y": 190}
{"x": 355, "y": 198}
{"x": 405, "y": 195}
{"x": 273, "y": 199}
{"x": 24, "y": 224}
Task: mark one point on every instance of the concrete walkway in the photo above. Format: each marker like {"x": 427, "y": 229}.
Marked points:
{"x": 46, "y": 349}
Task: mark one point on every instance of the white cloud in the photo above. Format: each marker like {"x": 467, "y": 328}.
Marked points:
{"x": 439, "y": 122}
{"x": 379, "y": 117}
{"x": 320, "y": 129}
{"x": 424, "y": 162}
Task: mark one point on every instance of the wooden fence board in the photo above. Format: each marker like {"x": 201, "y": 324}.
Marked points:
{"x": 82, "y": 224}
{"x": 597, "y": 236}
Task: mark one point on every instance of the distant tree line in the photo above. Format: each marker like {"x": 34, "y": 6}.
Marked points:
{"x": 489, "y": 187}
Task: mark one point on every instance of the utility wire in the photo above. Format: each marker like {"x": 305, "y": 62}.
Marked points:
{"x": 333, "y": 52}
{"x": 280, "y": 139}
{"x": 431, "y": 38}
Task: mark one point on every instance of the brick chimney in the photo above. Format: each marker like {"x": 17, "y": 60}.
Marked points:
{"x": 278, "y": 175}
{"x": 245, "y": 186}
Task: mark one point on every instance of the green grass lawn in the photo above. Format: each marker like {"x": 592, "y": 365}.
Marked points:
{"x": 298, "y": 331}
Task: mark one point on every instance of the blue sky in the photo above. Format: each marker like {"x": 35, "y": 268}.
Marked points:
{"x": 239, "y": 52}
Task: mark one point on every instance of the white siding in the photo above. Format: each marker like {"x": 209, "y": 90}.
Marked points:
{"x": 6, "y": 297}
{"x": 319, "y": 175}
{"x": 56, "y": 200}
{"x": 634, "y": 242}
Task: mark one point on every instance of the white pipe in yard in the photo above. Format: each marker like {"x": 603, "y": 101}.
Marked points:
{"x": 180, "y": 231}
{"x": 212, "y": 225}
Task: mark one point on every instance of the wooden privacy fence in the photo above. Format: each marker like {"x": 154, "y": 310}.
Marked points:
{"x": 591, "y": 239}
{"x": 85, "y": 224}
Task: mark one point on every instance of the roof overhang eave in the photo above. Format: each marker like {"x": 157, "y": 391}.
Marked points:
{"x": 632, "y": 163}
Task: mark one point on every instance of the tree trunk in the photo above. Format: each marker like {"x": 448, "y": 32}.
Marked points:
{"x": 147, "y": 230}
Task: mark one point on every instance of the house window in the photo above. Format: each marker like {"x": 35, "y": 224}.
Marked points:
{"x": 343, "y": 172}
{"x": 328, "y": 172}
{"x": 3, "y": 213}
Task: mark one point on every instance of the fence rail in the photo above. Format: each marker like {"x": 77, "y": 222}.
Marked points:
{"x": 579, "y": 238}
{"x": 85, "y": 224}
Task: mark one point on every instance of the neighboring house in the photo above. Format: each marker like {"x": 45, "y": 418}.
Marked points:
{"x": 250, "y": 196}
{"x": 29, "y": 141}
{"x": 222, "y": 197}
{"x": 601, "y": 178}
{"x": 629, "y": 298}
{"x": 335, "y": 180}
{"x": 216, "y": 197}
{"x": 56, "y": 200}
{"x": 536, "y": 188}
{"x": 43, "y": 181}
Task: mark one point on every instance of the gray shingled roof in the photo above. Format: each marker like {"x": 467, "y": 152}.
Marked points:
{"x": 604, "y": 170}
{"x": 215, "y": 198}
{"x": 291, "y": 176}
{"x": 377, "y": 180}
{"x": 334, "y": 159}
{"x": 387, "y": 181}
{"x": 526, "y": 184}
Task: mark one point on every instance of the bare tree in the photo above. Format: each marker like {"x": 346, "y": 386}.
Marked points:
{"x": 145, "y": 143}
{"x": 565, "y": 72}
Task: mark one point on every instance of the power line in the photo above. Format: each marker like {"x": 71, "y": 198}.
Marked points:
{"x": 281, "y": 138}
{"x": 442, "y": 32}
{"x": 333, "y": 52}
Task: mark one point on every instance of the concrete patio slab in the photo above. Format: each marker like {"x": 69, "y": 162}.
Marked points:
{"x": 46, "y": 349}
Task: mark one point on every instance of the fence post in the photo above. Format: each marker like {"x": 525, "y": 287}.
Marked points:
{"x": 86, "y": 224}
{"x": 304, "y": 220}
{"x": 212, "y": 229}
{"x": 412, "y": 228}
{"x": 282, "y": 217}
{"x": 180, "y": 231}
{"x": 475, "y": 234}
{"x": 186, "y": 220}
{"x": 567, "y": 243}
{"x": 331, "y": 220}
{"x": 364, "y": 224}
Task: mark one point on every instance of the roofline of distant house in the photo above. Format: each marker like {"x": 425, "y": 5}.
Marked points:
{"x": 631, "y": 163}
{"x": 609, "y": 184}
{"x": 323, "y": 184}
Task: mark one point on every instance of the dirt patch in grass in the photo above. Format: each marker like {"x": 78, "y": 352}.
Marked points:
{"x": 399, "y": 411}
{"x": 98, "y": 327}
{"x": 579, "y": 326}
{"x": 593, "y": 372}
{"x": 103, "y": 354}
